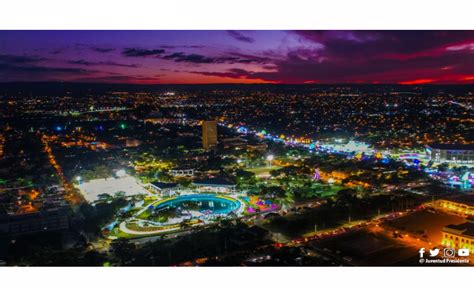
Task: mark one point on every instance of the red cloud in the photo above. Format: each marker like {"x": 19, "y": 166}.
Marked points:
{"x": 417, "y": 81}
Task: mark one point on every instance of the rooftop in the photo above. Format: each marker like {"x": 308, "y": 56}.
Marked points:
{"x": 453, "y": 146}
{"x": 467, "y": 229}
{"x": 463, "y": 199}
{"x": 163, "y": 185}
{"x": 213, "y": 182}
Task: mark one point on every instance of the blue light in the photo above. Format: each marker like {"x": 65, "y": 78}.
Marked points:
{"x": 242, "y": 130}
{"x": 58, "y": 128}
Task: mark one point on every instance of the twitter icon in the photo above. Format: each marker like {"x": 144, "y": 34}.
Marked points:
{"x": 434, "y": 252}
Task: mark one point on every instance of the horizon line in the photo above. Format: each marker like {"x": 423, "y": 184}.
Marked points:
{"x": 231, "y": 83}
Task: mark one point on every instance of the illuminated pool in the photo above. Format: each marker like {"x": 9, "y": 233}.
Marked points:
{"x": 200, "y": 204}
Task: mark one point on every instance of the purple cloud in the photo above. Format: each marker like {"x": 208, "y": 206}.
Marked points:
{"x": 108, "y": 63}
{"x": 237, "y": 35}
{"x": 140, "y": 52}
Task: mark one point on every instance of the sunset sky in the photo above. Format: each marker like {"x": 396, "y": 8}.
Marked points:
{"x": 162, "y": 57}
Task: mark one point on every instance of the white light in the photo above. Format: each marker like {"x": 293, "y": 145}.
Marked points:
{"x": 78, "y": 178}
{"x": 270, "y": 157}
{"x": 121, "y": 173}
{"x": 239, "y": 160}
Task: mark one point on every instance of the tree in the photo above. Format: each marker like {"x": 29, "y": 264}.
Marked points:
{"x": 184, "y": 182}
{"x": 119, "y": 194}
{"x": 285, "y": 201}
{"x": 443, "y": 167}
{"x": 104, "y": 196}
{"x": 94, "y": 258}
{"x": 245, "y": 178}
{"x": 122, "y": 249}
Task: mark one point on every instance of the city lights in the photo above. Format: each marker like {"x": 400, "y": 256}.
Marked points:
{"x": 300, "y": 174}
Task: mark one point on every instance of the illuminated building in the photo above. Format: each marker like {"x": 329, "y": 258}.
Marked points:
{"x": 209, "y": 134}
{"x": 163, "y": 189}
{"x": 182, "y": 172}
{"x": 334, "y": 176}
{"x": 461, "y": 205}
{"x": 262, "y": 147}
{"x": 464, "y": 182}
{"x": 233, "y": 143}
{"x": 459, "y": 236}
{"x": 216, "y": 185}
{"x": 451, "y": 153}
{"x": 349, "y": 147}
{"x": 2, "y": 145}
{"x": 132, "y": 143}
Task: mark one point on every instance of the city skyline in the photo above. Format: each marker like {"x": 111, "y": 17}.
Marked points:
{"x": 236, "y": 148}
{"x": 264, "y": 146}
{"x": 206, "y": 57}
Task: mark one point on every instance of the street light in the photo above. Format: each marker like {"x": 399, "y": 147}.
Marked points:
{"x": 270, "y": 157}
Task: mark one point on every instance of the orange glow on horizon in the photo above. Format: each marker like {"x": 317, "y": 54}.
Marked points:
{"x": 417, "y": 81}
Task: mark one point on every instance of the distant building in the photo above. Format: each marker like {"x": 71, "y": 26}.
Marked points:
{"x": 164, "y": 189}
{"x": 333, "y": 176}
{"x": 217, "y": 185}
{"x": 451, "y": 153}
{"x": 182, "y": 173}
{"x": 54, "y": 219}
{"x": 132, "y": 143}
{"x": 235, "y": 142}
{"x": 2, "y": 145}
{"x": 459, "y": 236}
{"x": 262, "y": 147}
{"x": 209, "y": 134}
{"x": 463, "y": 205}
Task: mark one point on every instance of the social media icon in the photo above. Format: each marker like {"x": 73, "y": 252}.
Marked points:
{"x": 422, "y": 252}
{"x": 463, "y": 252}
{"x": 434, "y": 252}
{"x": 449, "y": 252}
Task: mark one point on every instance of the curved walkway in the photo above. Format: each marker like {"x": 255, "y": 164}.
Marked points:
{"x": 123, "y": 225}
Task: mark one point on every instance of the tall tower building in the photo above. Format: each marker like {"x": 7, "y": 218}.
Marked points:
{"x": 209, "y": 134}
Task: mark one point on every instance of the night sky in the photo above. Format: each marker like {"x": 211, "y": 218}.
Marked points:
{"x": 162, "y": 57}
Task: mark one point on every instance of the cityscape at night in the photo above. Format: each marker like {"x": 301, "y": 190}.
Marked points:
{"x": 237, "y": 148}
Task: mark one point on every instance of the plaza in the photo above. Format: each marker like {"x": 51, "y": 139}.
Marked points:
{"x": 93, "y": 188}
{"x": 182, "y": 211}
